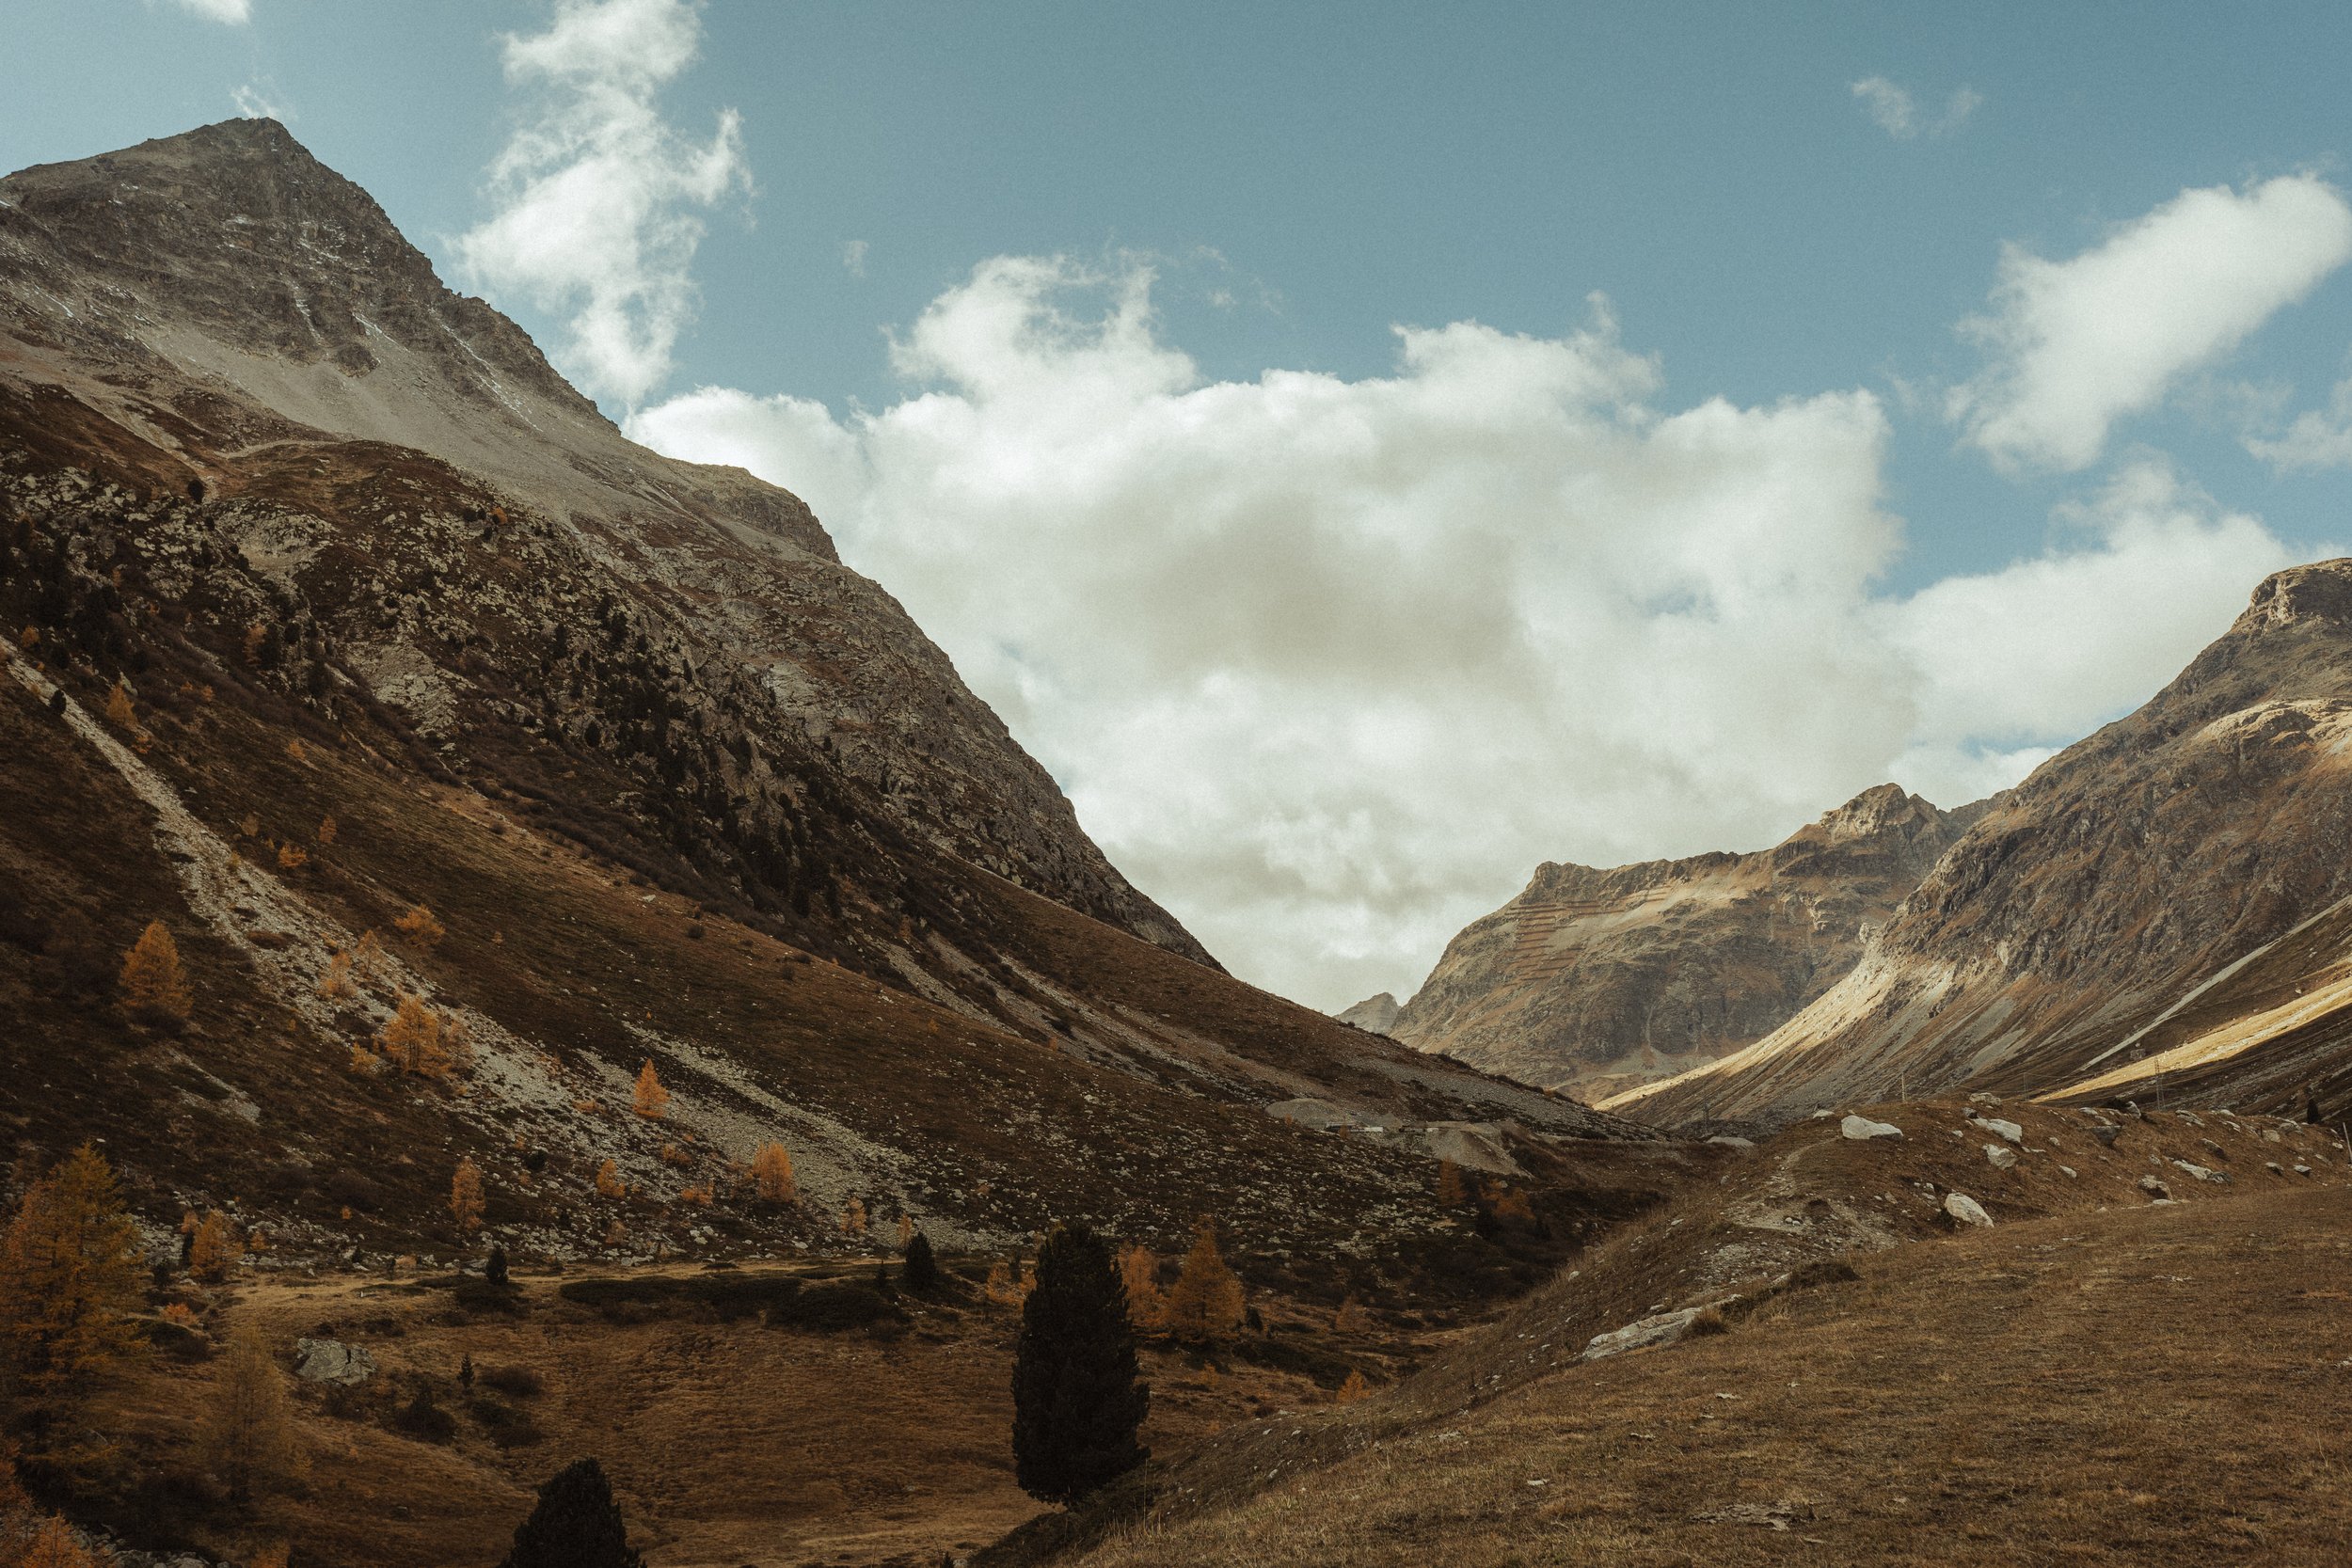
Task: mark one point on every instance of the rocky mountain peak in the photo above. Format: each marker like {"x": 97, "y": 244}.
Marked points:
{"x": 239, "y": 314}
{"x": 2321, "y": 592}
{"x": 1879, "y": 809}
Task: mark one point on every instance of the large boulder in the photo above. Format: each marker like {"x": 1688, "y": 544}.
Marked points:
{"x": 2001, "y": 1155}
{"x": 1862, "y": 1129}
{"x": 1965, "y": 1210}
{"x": 333, "y": 1361}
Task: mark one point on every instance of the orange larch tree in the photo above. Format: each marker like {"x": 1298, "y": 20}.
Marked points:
{"x": 420, "y": 926}
{"x": 215, "y": 1250}
{"x": 154, "y": 987}
{"x": 465, "y": 1195}
{"x": 70, "y": 1277}
{"x": 649, "y": 1099}
{"x": 1206, "y": 1300}
{"x": 771, "y": 1174}
{"x": 1140, "y": 1275}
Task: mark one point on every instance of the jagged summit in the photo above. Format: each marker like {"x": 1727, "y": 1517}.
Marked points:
{"x": 236, "y": 228}
{"x": 2319, "y": 591}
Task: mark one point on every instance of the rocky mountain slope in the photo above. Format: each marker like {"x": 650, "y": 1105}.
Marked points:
{"x": 328, "y": 601}
{"x": 1591, "y": 980}
{"x": 2162, "y": 895}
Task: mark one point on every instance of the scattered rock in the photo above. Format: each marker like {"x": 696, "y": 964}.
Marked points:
{"x": 1965, "y": 1210}
{"x": 1980, "y": 1098}
{"x": 1642, "y": 1333}
{"x": 2199, "y": 1172}
{"x": 1771, "y": 1515}
{"x": 1475, "y": 1144}
{"x": 333, "y": 1361}
{"x": 2107, "y": 1133}
{"x": 2154, "y": 1188}
{"x": 2008, "y": 1131}
{"x": 2274, "y": 1167}
{"x": 1862, "y": 1129}
{"x": 1732, "y": 1140}
{"x": 2001, "y": 1155}
{"x": 2068, "y": 1171}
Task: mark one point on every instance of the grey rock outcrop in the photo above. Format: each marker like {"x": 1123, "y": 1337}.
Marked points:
{"x": 1374, "y": 1015}
{"x": 333, "y": 1361}
{"x": 1663, "y": 1328}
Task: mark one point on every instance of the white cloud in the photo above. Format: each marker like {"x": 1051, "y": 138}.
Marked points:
{"x": 253, "y": 103}
{"x": 1893, "y": 109}
{"x": 1329, "y": 665}
{"x": 2077, "y": 344}
{"x": 2136, "y": 580}
{"x": 853, "y": 257}
{"x": 1889, "y": 105}
{"x": 596, "y": 191}
{"x": 2319, "y": 438}
{"x": 232, "y": 12}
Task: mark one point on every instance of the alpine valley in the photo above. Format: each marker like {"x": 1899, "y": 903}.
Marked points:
{"x": 511, "y": 954}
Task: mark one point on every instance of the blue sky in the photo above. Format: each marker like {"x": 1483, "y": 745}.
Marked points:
{"x": 1204, "y": 194}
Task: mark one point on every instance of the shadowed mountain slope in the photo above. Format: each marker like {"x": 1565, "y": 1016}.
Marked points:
{"x": 327, "y": 599}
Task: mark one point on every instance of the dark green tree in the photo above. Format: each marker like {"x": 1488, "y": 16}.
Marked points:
{"x": 1076, "y": 1397}
{"x": 921, "y": 1273}
{"x": 575, "y": 1525}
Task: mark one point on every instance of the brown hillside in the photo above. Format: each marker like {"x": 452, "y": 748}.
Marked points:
{"x": 2116, "y": 886}
{"x": 2051, "y": 1388}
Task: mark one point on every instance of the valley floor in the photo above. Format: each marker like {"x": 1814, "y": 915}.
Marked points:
{"x": 2166, "y": 1384}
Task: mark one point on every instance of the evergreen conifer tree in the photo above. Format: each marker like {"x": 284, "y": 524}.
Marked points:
{"x": 575, "y": 1525}
{"x": 921, "y": 1273}
{"x": 1076, "y": 1398}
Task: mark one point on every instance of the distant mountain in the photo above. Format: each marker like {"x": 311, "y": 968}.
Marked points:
{"x": 327, "y": 600}
{"x": 1590, "y": 980}
{"x": 1374, "y": 1015}
{"x": 2158, "y": 910}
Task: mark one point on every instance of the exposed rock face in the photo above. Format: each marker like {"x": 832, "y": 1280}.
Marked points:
{"x": 222, "y": 294}
{"x": 1590, "y": 980}
{"x": 1374, "y": 1015}
{"x": 2161, "y": 894}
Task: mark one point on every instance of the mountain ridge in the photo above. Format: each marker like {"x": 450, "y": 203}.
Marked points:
{"x": 2127, "y": 874}
{"x": 1592, "y": 976}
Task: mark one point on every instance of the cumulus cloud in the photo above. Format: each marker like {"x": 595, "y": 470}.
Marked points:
{"x": 2134, "y": 580}
{"x": 2078, "y": 345}
{"x": 1893, "y": 109}
{"x": 597, "y": 194}
{"x": 1329, "y": 665}
{"x": 232, "y": 12}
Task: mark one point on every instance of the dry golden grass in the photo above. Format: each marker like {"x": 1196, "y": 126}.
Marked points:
{"x": 2166, "y": 1385}
{"x": 728, "y": 1442}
